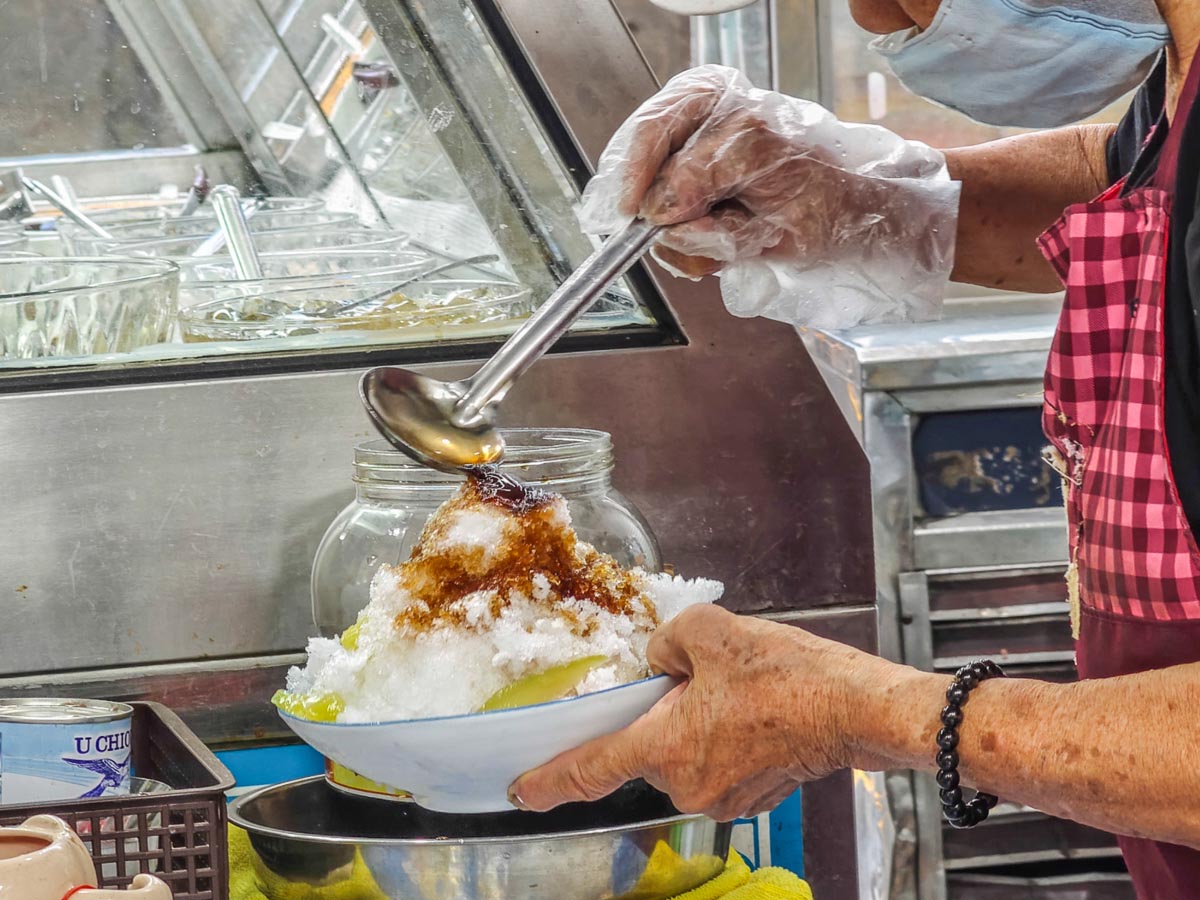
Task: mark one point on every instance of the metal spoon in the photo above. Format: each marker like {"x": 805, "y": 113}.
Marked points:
{"x": 69, "y": 209}
{"x": 227, "y": 204}
{"x": 450, "y": 425}
{"x": 443, "y": 267}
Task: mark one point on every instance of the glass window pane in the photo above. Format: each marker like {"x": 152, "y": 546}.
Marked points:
{"x": 73, "y": 84}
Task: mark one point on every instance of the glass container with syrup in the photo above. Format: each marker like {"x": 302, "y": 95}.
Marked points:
{"x": 395, "y": 496}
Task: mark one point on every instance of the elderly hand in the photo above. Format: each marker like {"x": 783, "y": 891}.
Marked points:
{"x": 763, "y": 709}
{"x": 781, "y": 197}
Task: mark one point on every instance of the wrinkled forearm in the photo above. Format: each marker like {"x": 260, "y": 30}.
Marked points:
{"x": 1121, "y": 754}
{"x": 1012, "y": 190}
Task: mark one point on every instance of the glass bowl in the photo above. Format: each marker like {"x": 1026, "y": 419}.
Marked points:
{"x": 268, "y": 243}
{"x": 75, "y": 307}
{"x": 366, "y": 301}
{"x": 106, "y": 214}
{"x": 341, "y": 273}
{"x": 79, "y": 241}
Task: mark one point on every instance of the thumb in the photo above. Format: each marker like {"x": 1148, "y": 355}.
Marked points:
{"x": 588, "y": 772}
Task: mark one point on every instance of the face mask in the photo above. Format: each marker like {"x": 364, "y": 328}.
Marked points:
{"x": 1028, "y": 63}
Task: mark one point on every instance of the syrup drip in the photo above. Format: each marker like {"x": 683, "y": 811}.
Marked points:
{"x": 495, "y": 486}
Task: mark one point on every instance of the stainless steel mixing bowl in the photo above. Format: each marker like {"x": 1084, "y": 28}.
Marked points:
{"x": 633, "y": 844}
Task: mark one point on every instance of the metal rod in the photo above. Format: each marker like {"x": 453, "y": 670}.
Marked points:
{"x": 62, "y": 184}
{"x": 551, "y": 320}
{"x": 69, "y": 209}
{"x": 226, "y": 201}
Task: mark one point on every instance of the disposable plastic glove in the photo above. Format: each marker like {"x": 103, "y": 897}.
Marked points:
{"x": 808, "y": 220}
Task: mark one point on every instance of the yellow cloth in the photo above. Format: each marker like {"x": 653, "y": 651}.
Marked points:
{"x": 249, "y": 879}
{"x": 736, "y": 881}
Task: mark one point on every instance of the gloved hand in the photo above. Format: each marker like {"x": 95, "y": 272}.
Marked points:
{"x": 809, "y": 220}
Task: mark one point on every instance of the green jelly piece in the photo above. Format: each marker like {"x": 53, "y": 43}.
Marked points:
{"x": 544, "y": 686}
{"x": 313, "y": 707}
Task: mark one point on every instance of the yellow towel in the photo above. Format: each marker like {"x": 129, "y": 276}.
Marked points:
{"x": 736, "y": 881}
{"x": 249, "y": 879}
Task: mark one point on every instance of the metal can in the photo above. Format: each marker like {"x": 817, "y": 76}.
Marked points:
{"x": 60, "y": 749}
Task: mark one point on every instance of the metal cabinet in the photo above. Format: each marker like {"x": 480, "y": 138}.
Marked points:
{"x": 970, "y": 553}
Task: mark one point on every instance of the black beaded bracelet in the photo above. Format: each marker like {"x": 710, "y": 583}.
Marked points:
{"x": 961, "y": 813}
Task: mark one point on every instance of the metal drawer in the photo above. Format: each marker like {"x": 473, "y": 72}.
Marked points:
{"x": 1017, "y": 616}
{"x": 1091, "y": 886}
{"x": 1016, "y": 835}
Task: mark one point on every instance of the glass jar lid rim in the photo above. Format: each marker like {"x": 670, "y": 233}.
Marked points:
{"x": 524, "y": 446}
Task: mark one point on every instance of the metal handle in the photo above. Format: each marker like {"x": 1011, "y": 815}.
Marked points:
{"x": 572, "y": 299}
{"x": 226, "y": 201}
{"x": 69, "y": 209}
{"x": 196, "y": 194}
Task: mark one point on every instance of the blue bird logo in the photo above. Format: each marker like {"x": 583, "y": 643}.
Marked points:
{"x": 112, "y": 773}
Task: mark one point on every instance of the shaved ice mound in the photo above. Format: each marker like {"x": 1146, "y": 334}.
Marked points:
{"x": 498, "y": 589}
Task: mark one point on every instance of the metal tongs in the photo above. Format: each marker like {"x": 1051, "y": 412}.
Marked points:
{"x": 450, "y": 425}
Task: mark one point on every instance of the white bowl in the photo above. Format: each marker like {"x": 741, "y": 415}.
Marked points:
{"x": 465, "y": 764}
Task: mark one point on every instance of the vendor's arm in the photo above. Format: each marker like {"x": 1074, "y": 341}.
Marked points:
{"x": 1116, "y": 753}
{"x": 1012, "y": 190}
{"x": 768, "y": 706}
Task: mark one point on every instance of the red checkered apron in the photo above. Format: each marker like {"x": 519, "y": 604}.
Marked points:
{"x": 1133, "y": 552}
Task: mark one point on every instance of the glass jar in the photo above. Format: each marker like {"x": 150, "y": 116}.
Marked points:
{"x": 394, "y": 498}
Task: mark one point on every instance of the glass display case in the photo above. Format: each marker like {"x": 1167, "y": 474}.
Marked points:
{"x": 406, "y": 119}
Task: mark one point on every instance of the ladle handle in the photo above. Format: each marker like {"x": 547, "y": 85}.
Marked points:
{"x": 573, "y": 298}
{"x": 227, "y": 204}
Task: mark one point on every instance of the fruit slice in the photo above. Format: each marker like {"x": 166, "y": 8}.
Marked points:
{"x": 313, "y": 707}
{"x": 349, "y": 638}
{"x": 340, "y": 776}
{"x": 542, "y": 687}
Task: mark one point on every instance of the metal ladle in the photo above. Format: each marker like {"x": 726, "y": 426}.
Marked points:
{"x": 450, "y": 424}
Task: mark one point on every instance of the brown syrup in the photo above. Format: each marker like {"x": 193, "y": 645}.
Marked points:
{"x": 499, "y": 487}
{"x": 540, "y": 545}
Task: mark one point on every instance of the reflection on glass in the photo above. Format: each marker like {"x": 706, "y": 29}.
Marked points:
{"x": 73, "y": 84}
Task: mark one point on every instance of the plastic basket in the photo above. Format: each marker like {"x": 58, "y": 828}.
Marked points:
{"x": 179, "y": 835}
